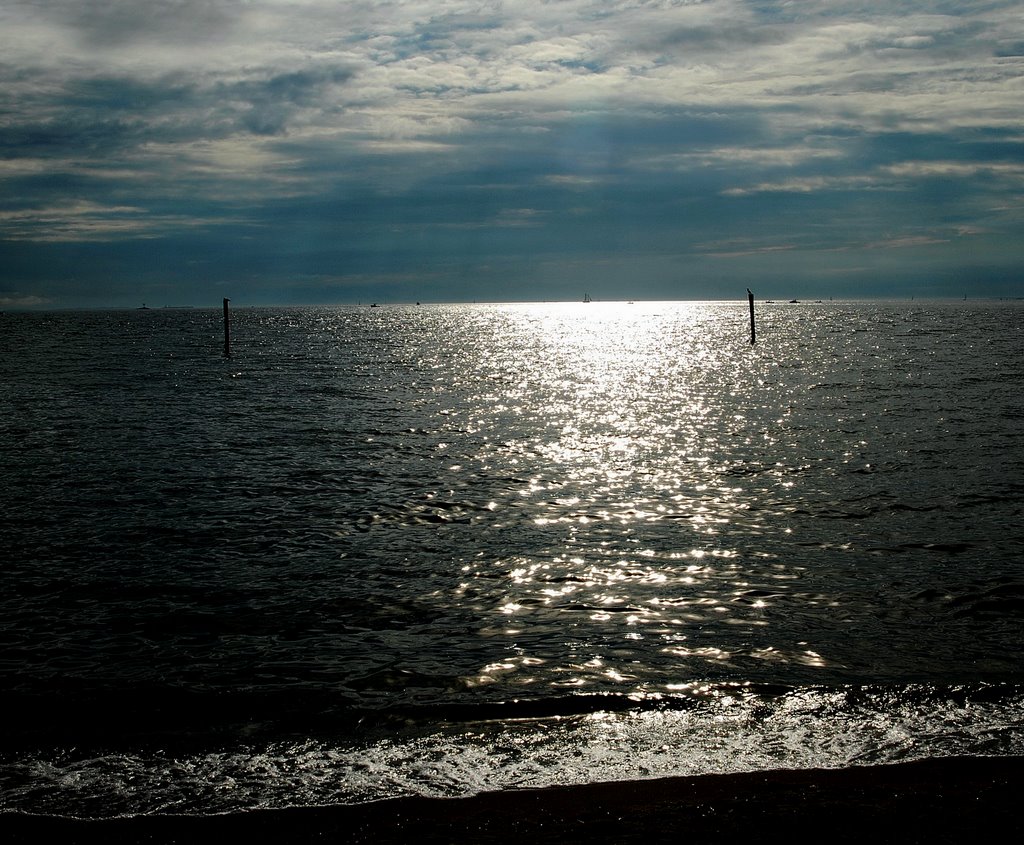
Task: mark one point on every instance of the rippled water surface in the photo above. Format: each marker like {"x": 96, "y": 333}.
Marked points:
{"x": 446, "y": 548}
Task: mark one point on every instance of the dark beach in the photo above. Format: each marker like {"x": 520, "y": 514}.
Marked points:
{"x": 941, "y": 800}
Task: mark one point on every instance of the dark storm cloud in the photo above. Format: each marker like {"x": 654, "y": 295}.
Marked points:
{"x": 112, "y": 23}
{"x": 104, "y": 114}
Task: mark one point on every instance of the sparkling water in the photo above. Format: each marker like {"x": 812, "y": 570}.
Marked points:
{"x": 439, "y": 549}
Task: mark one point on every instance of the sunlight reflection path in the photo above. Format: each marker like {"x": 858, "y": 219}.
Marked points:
{"x": 649, "y": 444}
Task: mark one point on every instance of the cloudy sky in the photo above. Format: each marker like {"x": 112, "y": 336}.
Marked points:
{"x": 312, "y": 151}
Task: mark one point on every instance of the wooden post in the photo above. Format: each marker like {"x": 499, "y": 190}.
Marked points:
{"x": 750, "y": 299}
{"x": 227, "y": 328}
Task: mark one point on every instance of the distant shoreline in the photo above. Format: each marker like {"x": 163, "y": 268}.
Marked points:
{"x": 739, "y": 301}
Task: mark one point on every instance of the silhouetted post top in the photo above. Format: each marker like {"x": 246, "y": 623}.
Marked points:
{"x": 227, "y": 328}
{"x": 750, "y": 300}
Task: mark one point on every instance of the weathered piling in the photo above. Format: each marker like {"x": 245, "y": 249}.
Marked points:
{"x": 227, "y": 328}
{"x": 750, "y": 300}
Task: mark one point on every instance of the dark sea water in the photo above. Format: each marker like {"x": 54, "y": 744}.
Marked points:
{"x": 443, "y": 549}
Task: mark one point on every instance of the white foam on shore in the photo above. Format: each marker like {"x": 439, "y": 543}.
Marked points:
{"x": 809, "y": 728}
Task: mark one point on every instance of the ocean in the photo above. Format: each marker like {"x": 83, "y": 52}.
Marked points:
{"x": 444, "y": 549}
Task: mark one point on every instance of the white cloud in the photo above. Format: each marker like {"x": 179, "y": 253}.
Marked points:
{"x": 960, "y": 169}
{"x": 19, "y": 300}
{"x": 89, "y": 221}
{"x": 869, "y": 66}
{"x": 578, "y": 106}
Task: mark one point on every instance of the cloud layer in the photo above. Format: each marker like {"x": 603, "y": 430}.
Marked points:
{"x": 314, "y": 151}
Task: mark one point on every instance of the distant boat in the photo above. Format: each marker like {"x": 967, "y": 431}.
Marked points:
{"x": 375, "y": 305}
{"x": 792, "y": 301}
{"x": 144, "y": 307}
{"x": 586, "y": 297}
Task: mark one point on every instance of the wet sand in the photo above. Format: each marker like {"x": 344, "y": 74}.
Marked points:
{"x": 948, "y": 800}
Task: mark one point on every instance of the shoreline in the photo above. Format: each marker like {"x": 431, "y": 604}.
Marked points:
{"x": 937, "y": 800}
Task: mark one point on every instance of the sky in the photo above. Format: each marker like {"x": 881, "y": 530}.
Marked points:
{"x": 314, "y": 152}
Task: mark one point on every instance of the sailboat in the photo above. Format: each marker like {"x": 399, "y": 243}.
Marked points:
{"x": 586, "y": 297}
